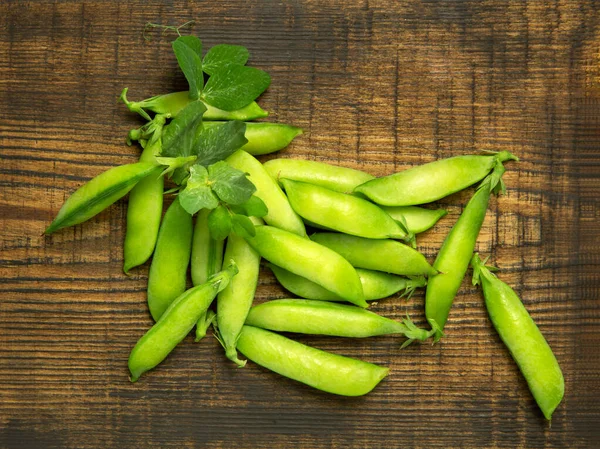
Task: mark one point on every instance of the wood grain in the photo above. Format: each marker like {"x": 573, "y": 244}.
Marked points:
{"x": 376, "y": 85}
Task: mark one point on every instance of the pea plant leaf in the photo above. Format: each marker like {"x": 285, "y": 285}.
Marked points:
{"x": 188, "y": 51}
{"x": 219, "y": 223}
{"x": 197, "y": 193}
{"x": 243, "y": 226}
{"x": 235, "y": 86}
{"x": 216, "y": 143}
{"x": 230, "y": 184}
{"x": 254, "y": 207}
{"x": 179, "y": 137}
{"x": 223, "y": 55}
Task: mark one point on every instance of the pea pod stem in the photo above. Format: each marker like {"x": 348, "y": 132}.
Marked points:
{"x": 175, "y": 323}
{"x": 522, "y": 337}
{"x": 319, "y": 369}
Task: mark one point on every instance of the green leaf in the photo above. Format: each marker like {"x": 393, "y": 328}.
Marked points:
{"x": 216, "y": 143}
{"x": 179, "y": 136}
{"x": 173, "y": 163}
{"x": 230, "y": 184}
{"x": 223, "y": 55}
{"x": 188, "y": 51}
{"x": 197, "y": 193}
{"x": 219, "y": 223}
{"x": 254, "y": 207}
{"x": 235, "y": 86}
{"x": 243, "y": 226}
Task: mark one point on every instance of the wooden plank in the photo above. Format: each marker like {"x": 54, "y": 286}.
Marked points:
{"x": 376, "y": 85}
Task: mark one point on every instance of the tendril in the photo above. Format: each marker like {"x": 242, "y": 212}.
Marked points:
{"x": 164, "y": 28}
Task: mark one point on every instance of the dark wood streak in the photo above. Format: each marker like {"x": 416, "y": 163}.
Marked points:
{"x": 377, "y": 85}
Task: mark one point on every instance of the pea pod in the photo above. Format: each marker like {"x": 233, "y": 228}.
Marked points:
{"x": 523, "y": 339}
{"x": 144, "y": 212}
{"x": 280, "y": 212}
{"x": 388, "y": 256}
{"x": 341, "y": 212}
{"x": 319, "y": 369}
{"x": 310, "y": 260}
{"x": 100, "y": 192}
{"x": 417, "y": 219}
{"x": 430, "y": 182}
{"x": 455, "y": 254}
{"x": 265, "y": 137}
{"x": 340, "y": 179}
{"x": 171, "y": 104}
{"x": 175, "y": 323}
{"x": 168, "y": 271}
{"x": 234, "y": 302}
{"x": 305, "y": 316}
{"x": 207, "y": 253}
{"x": 375, "y": 284}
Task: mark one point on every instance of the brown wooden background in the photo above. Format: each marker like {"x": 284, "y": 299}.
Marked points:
{"x": 377, "y": 85}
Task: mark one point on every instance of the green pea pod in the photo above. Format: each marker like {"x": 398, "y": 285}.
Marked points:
{"x": 305, "y": 316}
{"x": 341, "y": 212}
{"x": 388, "y": 256}
{"x": 207, "y": 253}
{"x": 319, "y": 369}
{"x": 234, "y": 302}
{"x": 455, "y": 254}
{"x": 280, "y": 212}
{"x": 310, "y": 260}
{"x": 417, "y": 219}
{"x": 265, "y": 137}
{"x": 204, "y": 322}
{"x": 167, "y": 276}
{"x": 175, "y": 323}
{"x": 523, "y": 339}
{"x": 340, "y": 179}
{"x": 375, "y": 284}
{"x": 144, "y": 212}
{"x": 430, "y": 182}
{"x": 173, "y": 103}
{"x": 100, "y": 192}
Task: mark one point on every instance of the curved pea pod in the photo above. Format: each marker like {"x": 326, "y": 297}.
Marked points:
{"x": 310, "y": 260}
{"x": 523, "y": 339}
{"x": 100, "y": 192}
{"x": 234, "y": 302}
{"x": 455, "y": 254}
{"x": 280, "y": 212}
{"x": 328, "y": 372}
{"x": 417, "y": 219}
{"x": 168, "y": 271}
{"x": 173, "y": 103}
{"x": 144, "y": 212}
{"x": 305, "y": 316}
{"x": 340, "y": 179}
{"x": 175, "y": 323}
{"x": 430, "y": 182}
{"x": 375, "y": 284}
{"x": 388, "y": 256}
{"x": 341, "y": 212}
{"x": 265, "y": 137}
{"x": 207, "y": 253}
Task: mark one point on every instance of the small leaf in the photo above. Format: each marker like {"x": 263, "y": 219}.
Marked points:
{"x": 235, "y": 86}
{"x": 254, "y": 207}
{"x": 230, "y": 184}
{"x": 219, "y": 223}
{"x": 243, "y": 227}
{"x": 188, "y": 51}
{"x": 216, "y": 143}
{"x": 223, "y": 55}
{"x": 197, "y": 193}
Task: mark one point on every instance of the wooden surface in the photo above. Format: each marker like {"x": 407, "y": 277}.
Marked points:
{"x": 376, "y": 85}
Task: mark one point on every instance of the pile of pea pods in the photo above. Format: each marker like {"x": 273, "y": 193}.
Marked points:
{"x": 362, "y": 248}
